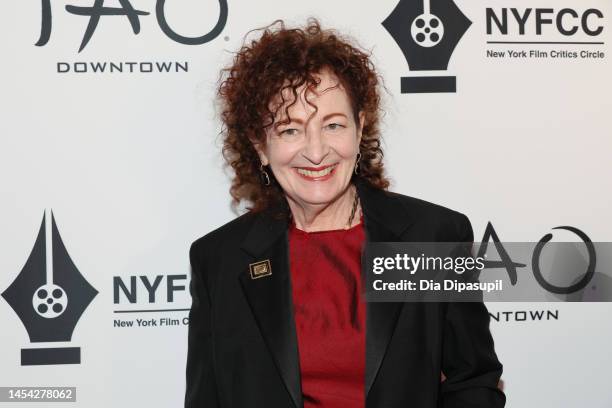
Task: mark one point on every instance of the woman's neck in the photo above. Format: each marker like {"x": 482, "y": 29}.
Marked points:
{"x": 328, "y": 216}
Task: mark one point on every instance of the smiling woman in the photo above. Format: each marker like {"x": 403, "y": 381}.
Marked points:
{"x": 278, "y": 317}
{"x": 278, "y": 96}
{"x": 312, "y": 149}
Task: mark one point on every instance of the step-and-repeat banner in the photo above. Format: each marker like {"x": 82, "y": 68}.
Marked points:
{"x": 110, "y": 166}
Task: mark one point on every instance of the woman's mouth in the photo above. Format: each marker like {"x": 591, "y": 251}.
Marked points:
{"x": 316, "y": 173}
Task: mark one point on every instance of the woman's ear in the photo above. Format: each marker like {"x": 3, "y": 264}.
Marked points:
{"x": 259, "y": 148}
{"x": 360, "y": 125}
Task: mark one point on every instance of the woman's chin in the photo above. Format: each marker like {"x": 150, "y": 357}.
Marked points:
{"x": 318, "y": 195}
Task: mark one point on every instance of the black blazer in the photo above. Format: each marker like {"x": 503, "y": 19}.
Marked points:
{"x": 242, "y": 345}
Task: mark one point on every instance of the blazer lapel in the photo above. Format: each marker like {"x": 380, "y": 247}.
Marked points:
{"x": 270, "y": 297}
{"x": 385, "y": 220}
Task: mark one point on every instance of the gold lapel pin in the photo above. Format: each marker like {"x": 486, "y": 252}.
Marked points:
{"x": 260, "y": 269}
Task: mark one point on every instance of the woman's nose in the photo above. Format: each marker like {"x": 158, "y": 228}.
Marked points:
{"x": 315, "y": 149}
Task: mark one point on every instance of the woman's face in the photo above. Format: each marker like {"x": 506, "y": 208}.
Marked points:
{"x": 313, "y": 156}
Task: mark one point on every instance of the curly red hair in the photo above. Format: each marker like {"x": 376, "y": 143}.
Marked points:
{"x": 286, "y": 58}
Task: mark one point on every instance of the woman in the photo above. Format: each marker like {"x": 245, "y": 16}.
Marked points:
{"x": 276, "y": 318}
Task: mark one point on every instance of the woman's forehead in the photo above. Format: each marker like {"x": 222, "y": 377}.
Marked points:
{"x": 329, "y": 91}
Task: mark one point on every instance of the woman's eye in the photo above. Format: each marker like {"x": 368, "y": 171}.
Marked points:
{"x": 334, "y": 126}
{"x": 289, "y": 132}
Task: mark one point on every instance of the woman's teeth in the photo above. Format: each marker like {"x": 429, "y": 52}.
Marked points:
{"x": 319, "y": 173}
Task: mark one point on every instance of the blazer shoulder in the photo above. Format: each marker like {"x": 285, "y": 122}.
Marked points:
{"x": 452, "y": 224}
{"x": 228, "y": 232}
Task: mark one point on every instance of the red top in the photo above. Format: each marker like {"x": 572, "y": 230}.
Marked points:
{"x": 329, "y": 316}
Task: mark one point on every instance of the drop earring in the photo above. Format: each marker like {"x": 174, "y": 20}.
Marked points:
{"x": 263, "y": 174}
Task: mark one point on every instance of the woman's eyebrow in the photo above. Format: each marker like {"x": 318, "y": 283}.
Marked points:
{"x": 329, "y": 115}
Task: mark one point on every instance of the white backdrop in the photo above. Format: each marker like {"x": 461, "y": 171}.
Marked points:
{"x": 130, "y": 165}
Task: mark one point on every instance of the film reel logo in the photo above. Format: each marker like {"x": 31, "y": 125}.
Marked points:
{"x": 427, "y": 29}
{"x": 49, "y": 296}
{"x": 427, "y": 33}
{"x": 50, "y": 300}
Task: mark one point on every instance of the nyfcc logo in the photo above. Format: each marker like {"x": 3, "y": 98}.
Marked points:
{"x": 427, "y": 33}
{"x": 545, "y": 33}
{"x": 49, "y": 295}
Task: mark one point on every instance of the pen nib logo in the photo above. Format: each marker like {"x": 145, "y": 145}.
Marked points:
{"x": 427, "y": 32}
{"x": 49, "y": 295}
